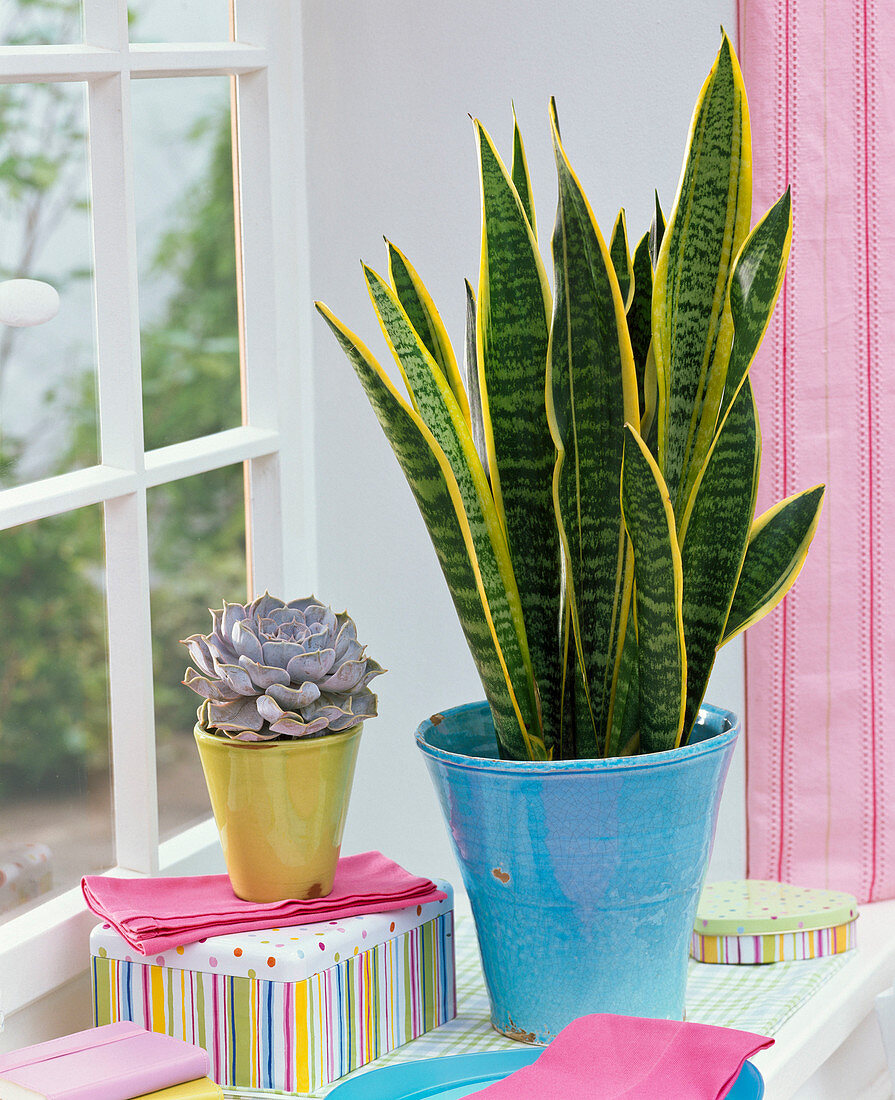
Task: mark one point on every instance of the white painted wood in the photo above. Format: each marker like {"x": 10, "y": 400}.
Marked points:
{"x": 290, "y": 268}
{"x": 262, "y": 406}
{"x": 198, "y": 456}
{"x": 48, "y": 497}
{"x": 836, "y": 1016}
{"x": 45, "y": 950}
{"x": 27, "y": 64}
{"x": 131, "y": 707}
{"x": 195, "y": 59}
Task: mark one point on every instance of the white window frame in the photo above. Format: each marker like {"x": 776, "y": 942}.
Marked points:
{"x": 47, "y": 947}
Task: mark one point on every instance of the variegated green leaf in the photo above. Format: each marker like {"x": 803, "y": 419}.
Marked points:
{"x": 714, "y": 534}
{"x": 757, "y": 279}
{"x": 623, "y": 738}
{"x": 620, "y": 255}
{"x": 512, "y": 314}
{"x": 437, "y": 494}
{"x": 425, "y": 318}
{"x": 640, "y": 312}
{"x": 442, "y": 416}
{"x": 471, "y": 369}
{"x": 656, "y": 232}
{"x": 591, "y": 392}
{"x": 778, "y": 545}
{"x": 692, "y": 329}
{"x": 658, "y": 585}
{"x": 520, "y": 177}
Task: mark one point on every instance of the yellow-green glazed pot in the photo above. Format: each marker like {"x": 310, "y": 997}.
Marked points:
{"x": 280, "y": 809}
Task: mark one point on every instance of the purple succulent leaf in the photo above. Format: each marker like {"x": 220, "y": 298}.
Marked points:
{"x": 262, "y": 676}
{"x": 294, "y": 727}
{"x": 246, "y": 641}
{"x": 285, "y": 721}
{"x": 222, "y": 653}
{"x": 279, "y": 654}
{"x": 348, "y": 648}
{"x": 310, "y": 666}
{"x": 210, "y": 689}
{"x": 284, "y": 615}
{"x": 363, "y": 704}
{"x": 346, "y": 677}
{"x": 264, "y": 734}
{"x": 241, "y": 714}
{"x": 374, "y": 668}
{"x": 262, "y": 606}
{"x": 233, "y": 613}
{"x": 199, "y": 653}
{"x": 303, "y": 604}
{"x": 292, "y": 698}
{"x": 237, "y": 678}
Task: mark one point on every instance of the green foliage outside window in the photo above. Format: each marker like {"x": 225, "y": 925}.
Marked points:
{"x": 53, "y": 684}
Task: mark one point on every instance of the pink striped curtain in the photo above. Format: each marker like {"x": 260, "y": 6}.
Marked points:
{"x": 820, "y": 703}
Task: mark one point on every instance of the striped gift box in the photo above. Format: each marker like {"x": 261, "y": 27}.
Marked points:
{"x": 289, "y": 1009}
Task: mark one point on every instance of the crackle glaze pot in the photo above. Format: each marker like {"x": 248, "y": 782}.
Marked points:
{"x": 583, "y": 875}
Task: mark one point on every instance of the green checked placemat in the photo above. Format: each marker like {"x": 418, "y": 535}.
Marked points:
{"x": 751, "y": 998}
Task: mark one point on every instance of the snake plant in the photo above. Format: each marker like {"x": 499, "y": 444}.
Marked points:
{"x": 590, "y": 490}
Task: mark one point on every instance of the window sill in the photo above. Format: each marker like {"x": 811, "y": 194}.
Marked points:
{"x": 46, "y": 947}
{"x": 823, "y": 1051}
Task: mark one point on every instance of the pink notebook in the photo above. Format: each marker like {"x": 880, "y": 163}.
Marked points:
{"x": 114, "y": 1062}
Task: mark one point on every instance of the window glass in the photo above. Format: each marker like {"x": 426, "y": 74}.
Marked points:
{"x": 197, "y": 558}
{"x": 55, "y": 790}
{"x": 187, "y": 258}
{"x": 48, "y": 419}
{"x": 179, "y": 20}
{"x": 40, "y": 22}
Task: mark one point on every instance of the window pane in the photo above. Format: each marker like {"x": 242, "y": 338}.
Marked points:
{"x": 54, "y": 725}
{"x": 48, "y": 421}
{"x": 187, "y": 258}
{"x": 179, "y": 20}
{"x": 40, "y": 22}
{"x": 197, "y": 558}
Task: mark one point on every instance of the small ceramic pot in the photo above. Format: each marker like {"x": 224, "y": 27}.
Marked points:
{"x": 280, "y": 809}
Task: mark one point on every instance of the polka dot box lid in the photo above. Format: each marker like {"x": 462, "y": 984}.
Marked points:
{"x": 279, "y": 954}
{"x": 758, "y": 907}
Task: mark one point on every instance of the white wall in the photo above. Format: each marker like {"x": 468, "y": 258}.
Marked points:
{"x": 390, "y": 150}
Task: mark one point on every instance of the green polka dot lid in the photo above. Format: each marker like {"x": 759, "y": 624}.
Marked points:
{"x": 759, "y": 907}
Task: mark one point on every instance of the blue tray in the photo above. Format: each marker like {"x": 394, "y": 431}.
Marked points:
{"x": 461, "y": 1074}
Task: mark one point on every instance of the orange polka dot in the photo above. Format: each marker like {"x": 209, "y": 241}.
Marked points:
{"x": 237, "y": 951}
{"x": 419, "y": 910}
{"x": 271, "y": 961}
{"x": 179, "y": 950}
{"x": 356, "y": 950}
{"x": 391, "y": 927}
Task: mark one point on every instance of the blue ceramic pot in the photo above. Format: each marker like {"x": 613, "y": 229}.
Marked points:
{"x": 583, "y": 875}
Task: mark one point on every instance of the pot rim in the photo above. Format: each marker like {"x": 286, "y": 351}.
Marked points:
{"x": 715, "y": 743}
{"x": 207, "y": 737}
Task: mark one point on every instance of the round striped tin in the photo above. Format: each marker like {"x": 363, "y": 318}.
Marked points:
{"x": 760, "y": 921}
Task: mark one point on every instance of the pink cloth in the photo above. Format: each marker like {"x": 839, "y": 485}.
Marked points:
{"x": 820, "y": 698}
{"x": 630, "y": 1057}
{"x": 155, "y": 914}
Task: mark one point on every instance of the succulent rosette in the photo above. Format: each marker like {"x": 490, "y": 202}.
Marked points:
{"x": 271, "y": 669}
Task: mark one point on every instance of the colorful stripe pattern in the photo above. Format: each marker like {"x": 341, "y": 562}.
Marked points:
{"x": 821, "y": 770}
{"x": 293, "y": 1036}
{"x": 817, "y": 943}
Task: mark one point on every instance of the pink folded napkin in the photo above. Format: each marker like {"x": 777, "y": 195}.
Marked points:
{"x": 632, "y": 1058}
{"x": 155, "y": 914}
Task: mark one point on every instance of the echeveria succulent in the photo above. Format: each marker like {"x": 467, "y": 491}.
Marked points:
{"x": 271, "y": 669}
